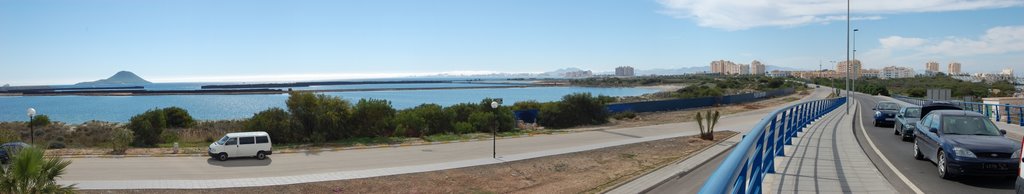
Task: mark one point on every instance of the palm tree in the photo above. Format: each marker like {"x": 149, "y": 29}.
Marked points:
{"x": 30, "y": 172}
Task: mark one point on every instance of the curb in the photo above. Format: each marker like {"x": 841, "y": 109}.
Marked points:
{"x": 700, "y": 157}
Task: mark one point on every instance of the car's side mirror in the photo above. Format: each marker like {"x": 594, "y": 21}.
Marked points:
{"x": 1002, "y": 132}
{"x": 874, "y": 108}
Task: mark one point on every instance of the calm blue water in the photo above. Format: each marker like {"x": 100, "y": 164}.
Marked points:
{"x": 78, "y": 109}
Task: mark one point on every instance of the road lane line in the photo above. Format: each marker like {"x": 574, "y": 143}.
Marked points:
{"x": 882, "y": 156}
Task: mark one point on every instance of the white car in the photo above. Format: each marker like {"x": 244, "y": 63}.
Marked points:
{"x": 244, "y": 144}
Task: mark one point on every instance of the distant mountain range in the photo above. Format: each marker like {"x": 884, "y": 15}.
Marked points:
{"x": 120, "y": 78}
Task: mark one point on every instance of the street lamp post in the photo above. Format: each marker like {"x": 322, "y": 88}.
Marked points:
{"x": 494, "y": 131}
{"x": 32, "y": 131}
{"x": 859, "y": 65}
{"x": 848, "y": 55}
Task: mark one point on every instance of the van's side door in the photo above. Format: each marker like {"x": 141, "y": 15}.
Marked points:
{"x": 231, "y": 147}
{"x": 247, "y": 146}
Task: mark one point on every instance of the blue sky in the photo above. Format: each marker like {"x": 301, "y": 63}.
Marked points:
{"x": 61, "y": 42}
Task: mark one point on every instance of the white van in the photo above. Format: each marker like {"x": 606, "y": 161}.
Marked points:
{"x": 244, "y": 144}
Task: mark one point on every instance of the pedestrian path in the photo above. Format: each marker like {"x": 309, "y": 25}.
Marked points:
{"x": 826, "y": 158}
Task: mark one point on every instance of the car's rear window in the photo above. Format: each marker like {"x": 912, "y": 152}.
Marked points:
{"x": 913, "y": 113}
{"x": 262, "y": 139}
{"x": 888, "y": 106}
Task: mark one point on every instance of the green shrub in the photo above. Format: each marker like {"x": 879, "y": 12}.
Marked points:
{"x": 574, "y": 110}
{"x": 40, "y": 121}
{"x": 624, "y": 115}
{"x": 277, "y": 123}
{"x": 482, "y": 121}
{"x": 410, "y": 123}
{"x": 55, "y": 145}
{"x": 169, "y": 136}
{"x": 9, "y": 135}
{"x": 463, "y": 127}
{"x": 373, "y": 117}
{"x": 322, "y": 114}
{"x": 524, "y": 105}
{"x": 178, "y": 118}
{"x": 120, "y": 139}
{"x": 461, "y": 111}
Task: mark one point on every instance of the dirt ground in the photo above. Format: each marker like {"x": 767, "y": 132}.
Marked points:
{"x": 657, "y": 118}
{"x": 582, "y": 172}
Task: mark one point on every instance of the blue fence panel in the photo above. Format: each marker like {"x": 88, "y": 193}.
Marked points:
{"x": 527, "y": 115}
{"x": 679, "y": 104}
{"x": 996, "y": 112}
{"x": 745, "y": 167}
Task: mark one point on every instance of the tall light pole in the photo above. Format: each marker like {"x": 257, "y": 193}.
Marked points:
{"x": 494, "y": 131}
{"x": 32, "y": 131}
{"x": 848, "y": 56}
{"x": 855, "y": 76}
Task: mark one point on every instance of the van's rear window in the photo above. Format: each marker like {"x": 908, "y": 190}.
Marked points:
{"x": 262, "y": 139}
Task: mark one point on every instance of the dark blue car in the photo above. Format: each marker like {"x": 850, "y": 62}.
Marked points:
{"x": 8, "y": 150}
{"x": 905, "y": 120}
{"x": 885, "y": 113}
{"x": 965, "y": 143}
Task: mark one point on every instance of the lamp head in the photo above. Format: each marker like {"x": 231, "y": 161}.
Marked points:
{"x": 31, "y": 112}
{"x": 494, "y": 104}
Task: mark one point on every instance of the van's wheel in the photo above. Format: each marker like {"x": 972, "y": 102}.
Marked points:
{"x": 260, "y": 155}
{"x": 222, "y": 157}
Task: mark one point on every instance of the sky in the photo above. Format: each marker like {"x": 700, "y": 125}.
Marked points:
{"x": 69, "y": 41}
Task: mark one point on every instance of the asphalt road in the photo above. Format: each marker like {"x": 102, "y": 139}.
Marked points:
{"x": 279, "y": 165}
{"x": 921, "y": 173}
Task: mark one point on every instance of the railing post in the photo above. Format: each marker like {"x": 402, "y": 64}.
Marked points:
{"x": 986, "y": 111}
{"x": 1020, "y": 115}
{"x": 788, "y": 115}
{"x": 771, "y": 145}
{"x": 996, "y": 108}
{"x": 1008, "y": 114}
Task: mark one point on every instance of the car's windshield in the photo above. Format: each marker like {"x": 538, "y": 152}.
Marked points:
{"x": 888, "y": 106}
{"x": 913, "y": 113}
{"x": 968, "y": 125}
{"x": 222, "y": 140}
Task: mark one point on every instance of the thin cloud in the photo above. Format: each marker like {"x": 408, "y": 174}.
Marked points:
{"x": 914, "y": 50}
{"x": 745, "y": 14}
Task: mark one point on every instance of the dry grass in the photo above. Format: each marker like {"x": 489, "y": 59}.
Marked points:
{"x": 582, "y": 172}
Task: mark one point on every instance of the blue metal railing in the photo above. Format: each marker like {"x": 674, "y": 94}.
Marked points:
{"x": 997, "y": 112}
{"x": 745, "y": 167}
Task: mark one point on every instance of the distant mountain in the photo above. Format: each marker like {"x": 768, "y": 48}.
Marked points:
{"x": 120, "y": 78}
{"x": 559, "y": 72}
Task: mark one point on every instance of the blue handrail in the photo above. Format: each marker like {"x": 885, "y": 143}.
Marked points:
{"x": 745, "y": 167}
{"x": 998, "y": 112}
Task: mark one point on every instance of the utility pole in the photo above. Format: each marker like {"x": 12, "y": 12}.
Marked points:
{"x": 848, "y": 97}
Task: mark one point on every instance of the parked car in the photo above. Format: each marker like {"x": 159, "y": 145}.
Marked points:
{"x": 905, "y": 120}
{"x": 885, "y": 113}
{"x": 1019, "y": 185}
{"x": 244, "y": 144}
{"x": 965, "y": 143}
{"x": 10, "y": 149}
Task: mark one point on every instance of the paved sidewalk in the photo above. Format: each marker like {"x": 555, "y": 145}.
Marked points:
{"x": 826, "y": 158}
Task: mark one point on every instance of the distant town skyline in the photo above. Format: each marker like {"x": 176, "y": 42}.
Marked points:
{"x": 65, "y": 42}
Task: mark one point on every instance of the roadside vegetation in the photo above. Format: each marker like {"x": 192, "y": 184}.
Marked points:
{"x": 918, "y": 86}
{"x": 698, "y": 86}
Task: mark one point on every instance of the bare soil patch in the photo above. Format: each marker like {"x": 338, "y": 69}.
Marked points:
{"x": 581, "y": 172}
{"x": 665, "y": 117}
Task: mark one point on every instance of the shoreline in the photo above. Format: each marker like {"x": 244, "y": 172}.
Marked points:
{"x": 257, "y": 92}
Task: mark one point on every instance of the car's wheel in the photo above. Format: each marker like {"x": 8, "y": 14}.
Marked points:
{"x": 260, "y": 155}
{"x": 917, "y": 152}
{"x": 222, "y": 156}
{"x": 943, "y": 166}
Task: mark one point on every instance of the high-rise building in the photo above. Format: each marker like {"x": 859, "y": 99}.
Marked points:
{"x": 871, "y": 73}
{"x": 855, "y": 69}
{"x": 624, "y": 71}
{"x": 757, "y": 68}
{"x": 954, "y": 68}
{"x": 892, "y": 72}
{"x": 579, "y": 74}
{"x": 931, "y": 67}
{"x": 744, "y": 69}
{"x": 721, "y": 66}
{"x": 1007, "y": 72}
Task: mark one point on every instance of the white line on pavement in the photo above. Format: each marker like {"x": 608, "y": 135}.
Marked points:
{"x": 880, "y": 155}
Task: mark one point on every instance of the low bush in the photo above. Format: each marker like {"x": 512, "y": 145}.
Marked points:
{"x": 149, "y": 126}
{"x": 120, "y": 139}
{"x": 624, "y": 115}
{"x": 574, "y": 110}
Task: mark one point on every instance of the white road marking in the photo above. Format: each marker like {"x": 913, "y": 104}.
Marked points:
{"x": 880, "y": 155}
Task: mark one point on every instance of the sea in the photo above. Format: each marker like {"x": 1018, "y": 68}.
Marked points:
{"x": 79, "y": 109}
